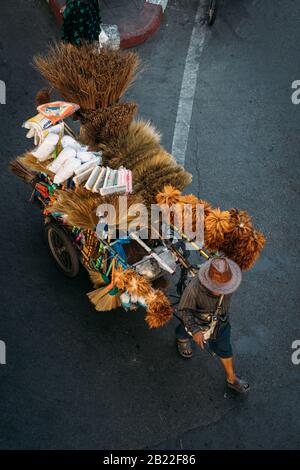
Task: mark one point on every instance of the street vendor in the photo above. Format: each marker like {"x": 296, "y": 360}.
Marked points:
{"x": 204, "y": 310}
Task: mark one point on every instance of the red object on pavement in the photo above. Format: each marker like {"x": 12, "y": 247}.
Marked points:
{"x": 138, "y": 30}
{"x": 132, "y": 32}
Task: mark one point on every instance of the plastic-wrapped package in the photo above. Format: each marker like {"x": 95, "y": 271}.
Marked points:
{"x": 62, "y": 158}
{"x": 45, "y": 150}
{"x": 68, "y": 141}
{"x": 86, "y": 156}
{"x": 67, "y": 170}
{"x": 82, "y": 177}
{"x": 87, "y": 165}
{"x": 93, "y": 178}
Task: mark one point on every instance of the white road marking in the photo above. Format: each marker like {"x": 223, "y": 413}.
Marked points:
{"x": 188, "y": 88}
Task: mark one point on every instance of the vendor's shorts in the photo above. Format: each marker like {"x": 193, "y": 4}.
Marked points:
{"x": 221, "y": 346}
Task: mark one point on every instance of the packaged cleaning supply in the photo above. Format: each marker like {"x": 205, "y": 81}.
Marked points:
{"x": 57, "y": 110}
{"x": 68, "y": 141}
{"x": 63, "y": 156}
{"x": 36, "y": 127}
{"x": 46, "y": 149}
{"x": 85, "y": 156}
{"x": 87, "y": 165}
{"x": 67, "y": 170}
{"x": 82, "y": 177}
{"x": 93, "y": 178}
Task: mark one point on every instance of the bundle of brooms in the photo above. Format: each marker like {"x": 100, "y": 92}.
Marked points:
{"x": 80, "y": 208}
{"x": 105, "y": 124}
{"x": 88, "y": 76}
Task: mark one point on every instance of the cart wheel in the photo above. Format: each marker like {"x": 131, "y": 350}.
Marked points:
{"x": 212, "y": 12}
{"x": 63, "y": 251}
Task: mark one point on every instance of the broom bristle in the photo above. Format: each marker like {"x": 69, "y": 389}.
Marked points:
{"x": 43, "y": 96}
{"x": 21, "y": 171}
{"x": 86, "y": 76}
{"x": 141, "y": 139}
{"x": 106, "y": 124}
{"x": 32, "y": 164}
{"x": 96, "y": 279}
{"x": 80, "y": 206}
{"x": 103, "y": 301}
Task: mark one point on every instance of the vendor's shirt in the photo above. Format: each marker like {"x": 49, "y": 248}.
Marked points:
{"x": 197, "y": 304}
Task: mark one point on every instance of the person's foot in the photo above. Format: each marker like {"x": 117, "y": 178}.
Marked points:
{"x": 238, "y": 385}
{"x": 184, "y": 348}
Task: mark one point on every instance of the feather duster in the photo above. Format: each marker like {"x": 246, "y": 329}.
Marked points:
{"x": 128, "y": 280}
{"x": 240, "y": 228}
{"x": 171, "y": 196}
{"x": 43, "y": 96}
{"x": 216, "y": 225}
{"x": 154, "y": 183}
{"x": 159, "y": 309}
{"x": 245, "y": 251}
{"x": 207, "y": 206}
{"x": 240, "y": 224}
{"x": 168, "y": 196}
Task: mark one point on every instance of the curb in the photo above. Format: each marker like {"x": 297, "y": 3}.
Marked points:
{"x": 128, "y": 33}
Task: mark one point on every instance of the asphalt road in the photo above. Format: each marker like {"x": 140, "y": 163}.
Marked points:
{"x": 80, "y": 380}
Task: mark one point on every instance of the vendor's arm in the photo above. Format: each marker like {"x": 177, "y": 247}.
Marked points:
{"x": 188, "y": 305}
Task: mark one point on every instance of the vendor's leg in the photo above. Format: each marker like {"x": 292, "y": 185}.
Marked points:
{"x": 181, "y": 333}
{"x": 227, "y": 363}
{"x": 221, "y": 345}
{"x": 184, "y": 345}
{"x": 222, "y": 348}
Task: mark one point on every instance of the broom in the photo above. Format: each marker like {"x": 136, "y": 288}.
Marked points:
{"x": 106, "y": 298}
{"x": 21, "y": 171}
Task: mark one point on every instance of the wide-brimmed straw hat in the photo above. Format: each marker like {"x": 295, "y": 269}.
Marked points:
{"x": 221, "y": 275}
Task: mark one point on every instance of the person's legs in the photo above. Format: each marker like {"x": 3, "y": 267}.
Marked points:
{"x": 221, "y": 346}
{"x": 184, "y": 345}
{"x": 181, "y": 333}
{"x": 227, "y": 363}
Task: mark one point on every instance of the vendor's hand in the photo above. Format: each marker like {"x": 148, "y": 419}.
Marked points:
{"x": 199, "y": 339}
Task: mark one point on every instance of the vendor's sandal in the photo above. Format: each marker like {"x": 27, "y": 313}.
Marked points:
{"x": 239, "y": 386}
{"x": 184, "y": 348}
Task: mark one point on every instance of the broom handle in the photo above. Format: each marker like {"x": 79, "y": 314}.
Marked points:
{"x": 120, "y": 259}
{"x": 151, "y": 253}
{"x": 184, "y": 262}
{"x": 191, "y": 242}
{"x": 69, "y": 130}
